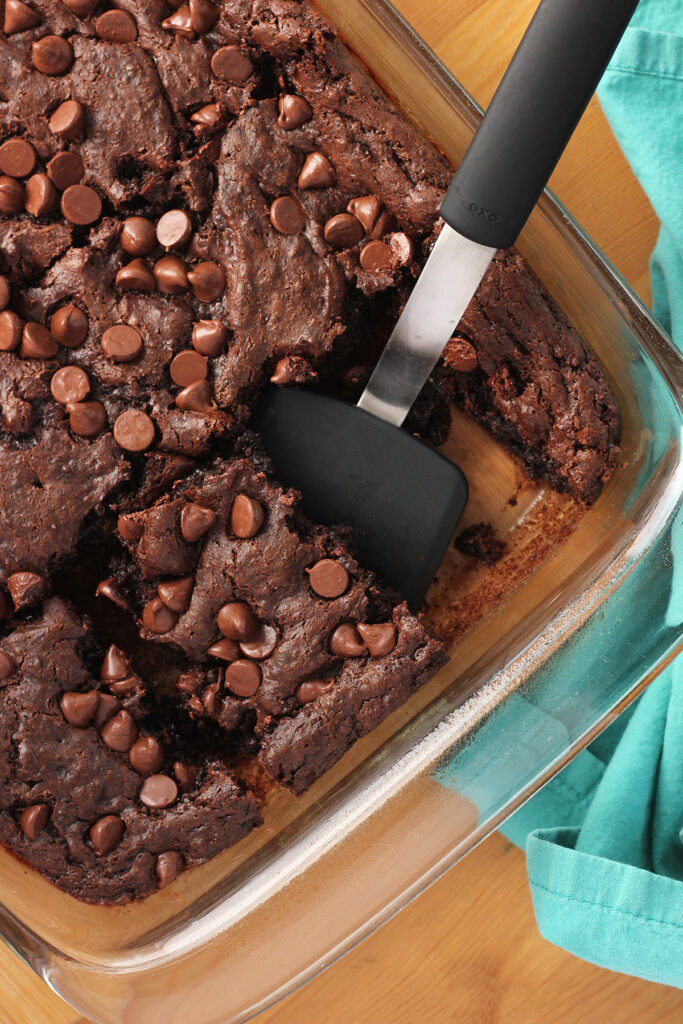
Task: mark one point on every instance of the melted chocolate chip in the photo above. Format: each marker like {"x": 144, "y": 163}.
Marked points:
{"x": 129, "y": 527}
{"x": 366, "y": 209}
{"x": 115, "y": 665}
{"x": 376, "y": 256}
{"x": 237, "y": 621}
{"x": 116, "y": 26}
{"x": 11, "y": 327}
{"x": 110, "y": 589}
{"x": 37, "y": 342}
{"x": 203, "y": 15}
{"x": 224, "y": 650}
{"x": 261, "y": 645}
{"x": 343, "y": 231}
{"x": 379, "y": 639}
{"x": 346, "y": 641}
{"x": 232, "y": 64}
{"x": 196, "y": 397}
{"x": 107, "y": 707}
{"x": 168, "y": 866}
{"x": 157, "y": 618}
{"x": 26, "y": 589}
{"x": 208, "y": 116}
{"x": 186, "y": 776}
{"x": 11, "y": 196}
{"x": 313, "y": 689}
{"x": 180, "y": 22}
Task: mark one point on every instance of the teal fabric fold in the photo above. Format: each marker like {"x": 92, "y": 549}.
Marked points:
{"x": 604, "y": 839}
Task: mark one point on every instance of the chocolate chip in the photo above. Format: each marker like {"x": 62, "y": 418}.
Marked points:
{"x": 176, "y": 594}
{"x": 81, "y": 8}
{"x": 243, "y": 678}
{"x": 379, "y": 639}
{"x": 4, "y": 291}
{"x": 26, "y": 588}
{"x": 195, "y": 397}
{"x": 116, "y": 26}
{"x": 19, "y": 17}
{"x": 385, "y": 223}
{"x": 129, "y": 527}
{"x": 170, "y": 275}
{"x": 188, "y": 367}
{"x": 115, "y": 665}
{"x": 107, "y": 707}
{"x": 11, "y": 327}
{"x": 313, "y": 689}
{"x": 52, "y": 55}
{"x": 207, "y": 280}
{"x": 261, "y": 645}
{"x": 7, "y": 666}
{"x": 120, "y": 732}
{"x": 11, "y": 196}
{"x": 317, "y": 172}
{"x": 346, "y": 641}
{"x": 79, "y": 708}
{"x": 17, "y": 158}
{"x": 69, "y": 384}
{"x": 401, "y": 248}
{"x": 246, "y": 516}
{"x": 158, "y": 791}
{"x": 376, "y": 256}
{"x": 106, "y": 834}
{"x": 180, "y": 22}
{"x": 110, "y": 589}
{"x": 461, "y": 355}
{"x": 210, "y": 698}
{"x": 174, "y": 229}
{"x": 208, "y": 337}
{"x": 204, "y": 15}
{"x": 33, "y": 820}
{"x": 124, "y": 687}
{"x": 40, "y": 195}
{"x": 134, "y": 430}
{"x": 366, "y": 209}
{"x": 122, "y": 343}
{"x": 37, "y": 342}
{"x": 208, "y": 116}
{"x": 138, "y": 236}
{"x": 67, "y": 120}
{"x": 65, "y": 169}
{"x": 195, "y": 521}
{"x": 292, "y": 369}
{"x": 294, "y": 111}
{"x": 224, "y": 650}
{"x": 146, "y": 755}
{"x": 81, "y": 205}
{"x": 328, "y": 578}
{"x": 237, "y": 621}
{"x": 69, "y": 325}
{"x": 87, "y": 419}
{"x": 186, "y": 776}
{"x": 232, "y": 64}
{"x": 135, "y": 276}
{"x": 157, "y": 618}
{"x": 168, "y": 866}
{"x": 343, "y": 231}
{"x": 286, "y": 216}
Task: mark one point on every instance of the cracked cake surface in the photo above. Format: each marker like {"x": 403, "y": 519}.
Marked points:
{"x": 197, "y": 200}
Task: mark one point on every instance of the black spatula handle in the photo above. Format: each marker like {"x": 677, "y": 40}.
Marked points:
{"x": 537, "y": 105}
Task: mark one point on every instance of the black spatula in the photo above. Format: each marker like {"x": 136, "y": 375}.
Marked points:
{"x": 352, "y": 463}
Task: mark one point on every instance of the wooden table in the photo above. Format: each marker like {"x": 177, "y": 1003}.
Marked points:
{"x": 468, "y": 950}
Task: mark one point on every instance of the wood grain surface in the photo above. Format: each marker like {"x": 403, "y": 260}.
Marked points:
{"x": 467, "y": 950}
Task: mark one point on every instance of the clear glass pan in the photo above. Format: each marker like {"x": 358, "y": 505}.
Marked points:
{"x": 542, "y": 672}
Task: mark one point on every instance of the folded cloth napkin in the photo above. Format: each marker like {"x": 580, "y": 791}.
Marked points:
{"x": 604, "y": 839}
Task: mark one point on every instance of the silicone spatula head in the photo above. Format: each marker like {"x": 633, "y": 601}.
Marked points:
{"x": 401, "y": 498}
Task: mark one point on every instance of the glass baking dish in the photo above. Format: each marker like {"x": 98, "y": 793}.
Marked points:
{"x": 564, "y": 644}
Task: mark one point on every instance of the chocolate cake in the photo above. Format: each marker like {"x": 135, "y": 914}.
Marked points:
{"x": 196, "y": 199}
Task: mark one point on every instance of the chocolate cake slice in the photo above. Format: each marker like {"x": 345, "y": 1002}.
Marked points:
{"x": 92, "y": 793}
{"x": 289, "y": 638}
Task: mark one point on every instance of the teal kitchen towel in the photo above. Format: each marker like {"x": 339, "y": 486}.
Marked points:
{"x": 604, "y": 840}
